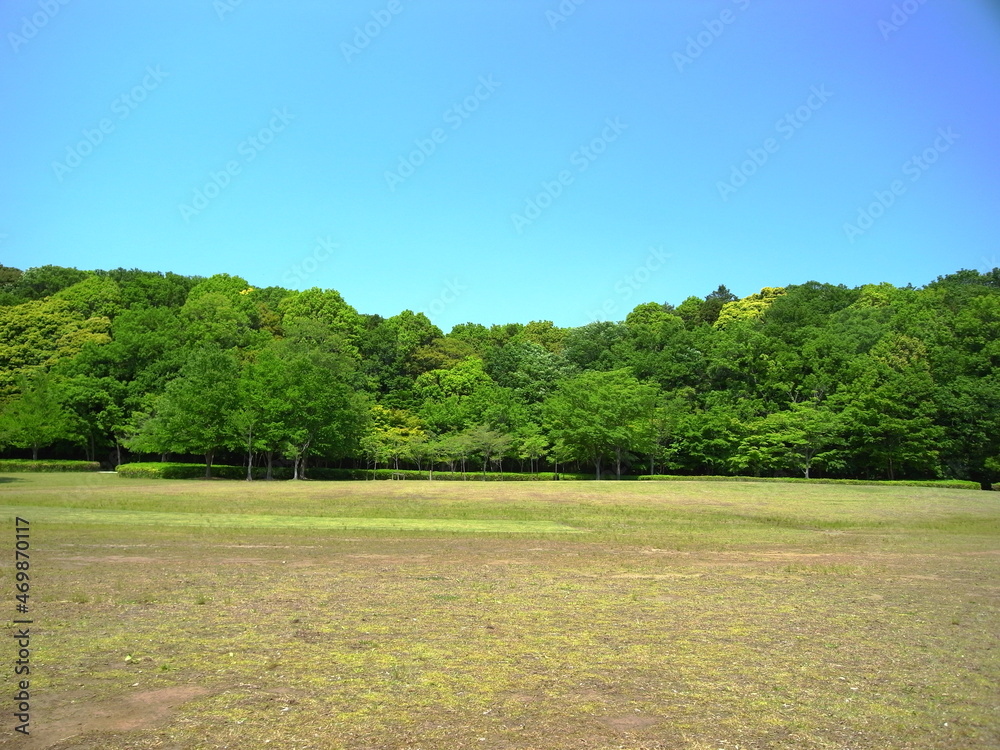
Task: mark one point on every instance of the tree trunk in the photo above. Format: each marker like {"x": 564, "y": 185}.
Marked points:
{"x": 618, "y": 463}
{"x": 208, "y": 464}
{"x": 34, "y": 453}
{"x": 270, "y": 460}
{"x": 597, "y": 464}
{"x": 118, "y": 451}
{"x": 250, "y": 454}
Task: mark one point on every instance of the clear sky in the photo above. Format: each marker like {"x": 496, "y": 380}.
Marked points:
{"x": 503, "y": 161}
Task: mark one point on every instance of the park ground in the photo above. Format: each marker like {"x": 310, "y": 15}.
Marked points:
{"x": 440, "y": 615}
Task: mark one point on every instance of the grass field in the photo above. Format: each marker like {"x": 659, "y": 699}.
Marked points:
{"x": 405, "y": 615}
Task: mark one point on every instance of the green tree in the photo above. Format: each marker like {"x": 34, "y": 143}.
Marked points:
{"x": 805, "y": 436}
{"x": 37, "y": 416}
{"x": 532, "y": 445}
{"x": 889, "y": 412}
{"x": 95, "y": 296}
{"x": 44, "y": 281}
{"x": 969, "y": 409}
{"x": 387, "y": 434}
{"x": 195, "y": 413}
{"x": 599, "y": 415}
{"x": 749, "y": 308}
{"x": 489, "y": 444}
{"x": 41, "y": 334}
{"x": 263, "y": 415}
{"x": 328, "y": 412}
{"x": 325, "y": 306}
{"x": 528, "y": 368}
{"x": 713, "y": 304}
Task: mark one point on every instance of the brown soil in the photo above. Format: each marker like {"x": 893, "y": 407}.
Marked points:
{"x": 80, "y": 718}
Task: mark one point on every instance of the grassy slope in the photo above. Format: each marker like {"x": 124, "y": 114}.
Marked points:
{"x": 696, "y": 615}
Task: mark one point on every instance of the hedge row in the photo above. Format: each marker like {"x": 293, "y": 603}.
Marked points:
{"x": 193, "y": 471}
{"x": 19, "y": 464}
{"x": 197, "y": 471}
{"x": 957, "y": 484}
{"x": 470, "y": 476}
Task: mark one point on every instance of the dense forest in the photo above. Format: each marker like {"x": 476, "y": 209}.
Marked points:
{"x": 812, "y": 380}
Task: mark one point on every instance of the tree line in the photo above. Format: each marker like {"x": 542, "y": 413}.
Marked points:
{"x": 811, "y": 380}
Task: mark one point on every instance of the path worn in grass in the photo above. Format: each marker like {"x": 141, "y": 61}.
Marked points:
{"x": 72, "y": 516}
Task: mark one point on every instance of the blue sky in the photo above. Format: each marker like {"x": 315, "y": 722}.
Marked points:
{"x": 503, "y": 162}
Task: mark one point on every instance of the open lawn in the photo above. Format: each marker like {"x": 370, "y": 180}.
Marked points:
{"x": 434, "y": 615}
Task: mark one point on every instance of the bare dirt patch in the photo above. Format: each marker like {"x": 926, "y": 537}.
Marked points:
{"x": 139, "y": 710}
{"x": 629, "y": 722}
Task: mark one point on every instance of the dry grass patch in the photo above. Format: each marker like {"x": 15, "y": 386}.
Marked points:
{"x": 680, "y": 619}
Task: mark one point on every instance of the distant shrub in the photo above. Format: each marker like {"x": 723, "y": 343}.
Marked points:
{"x": 159, "y": 470}
{"x": 469, "y": 476}
{"x": 17, "y": 464}
{"x": 955, "y": 484}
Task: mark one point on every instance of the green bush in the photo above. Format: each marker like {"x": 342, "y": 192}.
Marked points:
{"x": 220, "y": 471}
{"x": 956, "y": 484}
{"x": 443, "y": 476}
{"x": 452, "y": 476}
{"x": 17, "y": 464}
{"x": 158, "y": 470}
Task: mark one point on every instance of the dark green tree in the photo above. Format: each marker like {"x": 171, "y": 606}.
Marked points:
{"x": 36, "y": 417}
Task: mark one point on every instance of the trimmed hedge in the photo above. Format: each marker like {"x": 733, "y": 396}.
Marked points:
{"x": 18, "y": 464}
{"x": 469, "y": 476}
{"x": 160, "y": 470}
{"x": 197, "y": 471}
{"x": 955, "y": 484}
{"x": 221, "y": 471}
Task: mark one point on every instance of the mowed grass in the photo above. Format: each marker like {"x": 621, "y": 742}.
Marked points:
{"x": 193, "y": 614}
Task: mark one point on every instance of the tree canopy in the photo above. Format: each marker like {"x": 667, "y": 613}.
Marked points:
{"x": 811, "y": 379}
